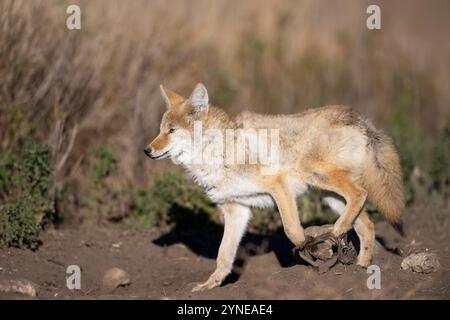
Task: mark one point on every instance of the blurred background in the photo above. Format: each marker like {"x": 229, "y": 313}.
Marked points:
{"x": 77, "y": 107}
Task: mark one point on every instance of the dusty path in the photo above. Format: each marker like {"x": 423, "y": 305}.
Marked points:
{"x": 168, "y": 266}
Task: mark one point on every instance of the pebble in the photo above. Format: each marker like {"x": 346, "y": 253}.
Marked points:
{"x": 19, "y": 286}
{"x": 116, "y": 277}
{"x": 423, "y": 262}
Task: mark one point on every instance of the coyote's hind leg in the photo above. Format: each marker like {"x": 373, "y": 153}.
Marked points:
{"x": 364, "y": 228}
{"x": 331, "y": 178}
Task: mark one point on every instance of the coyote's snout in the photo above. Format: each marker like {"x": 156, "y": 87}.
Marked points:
{"x": 331, "y": 148}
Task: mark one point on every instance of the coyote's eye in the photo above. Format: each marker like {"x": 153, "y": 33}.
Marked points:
{"x": 171, "y": 130}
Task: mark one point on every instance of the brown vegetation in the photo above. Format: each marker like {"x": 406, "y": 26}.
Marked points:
{"x": 80, "y": 92}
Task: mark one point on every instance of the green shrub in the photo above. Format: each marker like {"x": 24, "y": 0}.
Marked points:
{"x": 313, "y": 210}
{"x": 25, "y": 182}
{"x": 142, "y": 206}
{"x": 103, "y": 196}
{"x": 105, "y": 165}
{"x": 171, "y": 189}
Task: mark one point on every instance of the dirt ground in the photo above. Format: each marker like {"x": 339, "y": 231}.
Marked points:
{"x": 166, "y": 265}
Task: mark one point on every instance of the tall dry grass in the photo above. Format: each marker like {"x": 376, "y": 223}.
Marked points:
{"x": 78, "y": 90}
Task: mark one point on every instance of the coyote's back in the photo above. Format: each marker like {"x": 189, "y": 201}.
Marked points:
{"x": 340, "y": 136}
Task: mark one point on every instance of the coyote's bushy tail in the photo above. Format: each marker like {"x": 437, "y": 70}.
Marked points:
{"x": 384, "y": 181}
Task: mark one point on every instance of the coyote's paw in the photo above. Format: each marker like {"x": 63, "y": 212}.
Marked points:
{"x": 207, "y": 285}
{"x": 339, "y": 229}
{"x": 363, "y": 262}
{"x": 214, "y": 280}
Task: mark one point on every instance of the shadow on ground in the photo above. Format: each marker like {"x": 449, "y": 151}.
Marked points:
{"x": 202, "y": 236}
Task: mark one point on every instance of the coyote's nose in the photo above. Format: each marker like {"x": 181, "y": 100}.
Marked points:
{"x": 148, "y": 152}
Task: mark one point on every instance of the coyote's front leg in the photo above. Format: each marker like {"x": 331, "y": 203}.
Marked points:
{"x": 236, "y": 218}
{"x": 287, "y": 206}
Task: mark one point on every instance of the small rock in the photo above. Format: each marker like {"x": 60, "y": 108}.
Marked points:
{"x": 116, "y": 277}
{"x": 19, "y": 286}
{"x": 422, "y": 262}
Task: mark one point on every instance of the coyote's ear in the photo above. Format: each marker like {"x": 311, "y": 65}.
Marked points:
{"x": 170, "y": 97}
{"x": 199, "y": 98}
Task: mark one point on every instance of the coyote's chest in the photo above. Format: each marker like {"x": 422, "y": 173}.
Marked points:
{"x": 242, "y": 190}
{"x": 222, "y": 187}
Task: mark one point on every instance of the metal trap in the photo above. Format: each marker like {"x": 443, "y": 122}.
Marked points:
{"x": 322, "y": 250}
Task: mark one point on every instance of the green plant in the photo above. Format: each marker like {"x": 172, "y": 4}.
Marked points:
{"x": 312, "y": 209}
{"x": 265, "y": 221}
{"x": 141, "y": 211}
{"x": 105, "y": 165}
{"x": 102, "y": 196}
{"x": 170, "y": 190}
{"x": 25, "y": 181}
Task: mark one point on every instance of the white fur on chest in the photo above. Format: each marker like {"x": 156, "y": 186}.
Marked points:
{"x": 222, "y": 186}
{"x": 241, "y": 189}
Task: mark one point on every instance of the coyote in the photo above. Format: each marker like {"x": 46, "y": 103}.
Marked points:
{"x": 331, "y": 148}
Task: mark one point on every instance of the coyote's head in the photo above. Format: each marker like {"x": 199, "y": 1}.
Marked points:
{"x": 176, "y": 127}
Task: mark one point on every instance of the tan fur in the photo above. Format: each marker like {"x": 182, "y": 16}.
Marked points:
{"x": 331, "y": 148}
{"x": 384, "y": 181}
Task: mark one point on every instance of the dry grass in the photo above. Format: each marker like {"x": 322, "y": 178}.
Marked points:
{"x": 78, "y": 90}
